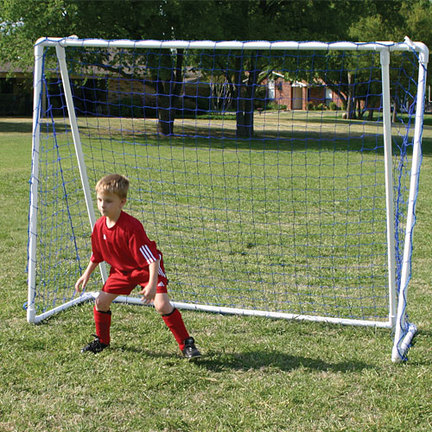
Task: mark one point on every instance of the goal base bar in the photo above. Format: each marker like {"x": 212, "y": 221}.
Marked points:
{"x": 259, "y": 313}
{"x": 35, "y": 319}
{"x": 91, "y": 296}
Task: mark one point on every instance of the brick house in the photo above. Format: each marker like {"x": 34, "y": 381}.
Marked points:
{"x": 16, "y": 95}
{"x": 298, "y": 95}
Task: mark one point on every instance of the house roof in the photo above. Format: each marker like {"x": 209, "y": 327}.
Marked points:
{"x": 7, "y": 69}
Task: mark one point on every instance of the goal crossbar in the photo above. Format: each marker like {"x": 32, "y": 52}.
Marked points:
{"x": 407, "y": 45}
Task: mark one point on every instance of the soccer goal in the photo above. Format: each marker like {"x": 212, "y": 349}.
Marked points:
{"x": 279, "y": 178}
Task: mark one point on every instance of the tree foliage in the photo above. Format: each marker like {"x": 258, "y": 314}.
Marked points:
{"x": 22, "y": 22}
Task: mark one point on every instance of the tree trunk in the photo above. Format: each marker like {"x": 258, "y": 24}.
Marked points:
{"x": 245, "y": 94}
{"x": 394, "y": 109}
{"x": 350, "y": 108}
{"x": 166, "y": 114}
{"x": 168, "y": 94}
{"x": 244, "y": 124}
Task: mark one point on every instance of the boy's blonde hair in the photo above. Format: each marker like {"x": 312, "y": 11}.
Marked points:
{"x": 114, "y": 183}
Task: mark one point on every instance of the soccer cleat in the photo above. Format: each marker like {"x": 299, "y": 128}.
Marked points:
{"x": 94, "y": 346}
{"x": 190, "y": 351}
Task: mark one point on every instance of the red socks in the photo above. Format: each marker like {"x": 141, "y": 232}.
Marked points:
{"x": 103, "y": 323}
{"x": 174, "y": 322}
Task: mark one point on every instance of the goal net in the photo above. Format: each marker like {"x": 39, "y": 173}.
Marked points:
{"x": 278, "y": 178}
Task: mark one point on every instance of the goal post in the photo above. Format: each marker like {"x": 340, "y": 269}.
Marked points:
{"x": 279, "y": 178}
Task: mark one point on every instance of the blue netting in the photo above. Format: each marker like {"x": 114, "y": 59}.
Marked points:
{"x": 259, "y": 173}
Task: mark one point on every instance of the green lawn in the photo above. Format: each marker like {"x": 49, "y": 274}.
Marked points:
{"x": 256, "y": 374}
{"x": 294, "y": 225}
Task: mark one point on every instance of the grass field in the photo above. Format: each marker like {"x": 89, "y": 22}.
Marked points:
{"x": 255, "y": 375}
{"x": 294, "y": 225}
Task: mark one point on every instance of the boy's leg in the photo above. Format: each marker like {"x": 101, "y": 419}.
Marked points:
{"x": 174, "y": 321}
{"x": 172, "y": 318}
{"x": 102, "y": 319}
{"x": 102, "y": 316}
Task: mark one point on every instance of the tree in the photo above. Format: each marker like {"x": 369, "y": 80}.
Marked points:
{"x": 270, "y": 20}
{"x": 24, "y": 21}
{"x": 393, "y": 21}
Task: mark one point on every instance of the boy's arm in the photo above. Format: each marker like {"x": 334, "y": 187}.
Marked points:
{"x": 82, "y": 281}
{"x": 149, "y": 291}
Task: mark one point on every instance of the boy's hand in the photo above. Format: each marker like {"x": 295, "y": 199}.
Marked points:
{"x": 81, "y": 283}
{"x": 148, "y": 293}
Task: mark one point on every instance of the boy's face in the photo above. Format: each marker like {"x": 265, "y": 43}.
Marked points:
{"x": 110, "y": 205}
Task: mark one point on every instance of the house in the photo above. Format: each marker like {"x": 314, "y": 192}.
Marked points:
{"x": 298, "y": 95}
{"x": 16, "y": 97}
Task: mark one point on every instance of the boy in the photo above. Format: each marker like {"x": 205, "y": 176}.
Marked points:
{"x": 120, "y": 240}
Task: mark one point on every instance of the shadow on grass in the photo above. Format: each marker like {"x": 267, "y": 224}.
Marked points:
{"x": 18, "y": 126}
{"x": 257, "y": 360}
{"x": 280, "y": 139}
{"x": 274, "y": 359}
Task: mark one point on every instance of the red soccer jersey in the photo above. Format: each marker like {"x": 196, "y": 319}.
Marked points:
{"x": 125, "y": 246}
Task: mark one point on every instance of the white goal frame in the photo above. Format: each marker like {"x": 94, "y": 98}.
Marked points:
{"x": 403, "y": 331}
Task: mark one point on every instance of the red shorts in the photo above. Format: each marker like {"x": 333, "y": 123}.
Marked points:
{"x": 124, "y": 282}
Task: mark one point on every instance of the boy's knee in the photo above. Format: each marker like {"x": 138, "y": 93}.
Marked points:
{"x": 101, "y": 307}
{"x": 164, "y": 308}
{"x": 103, "y": 304}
